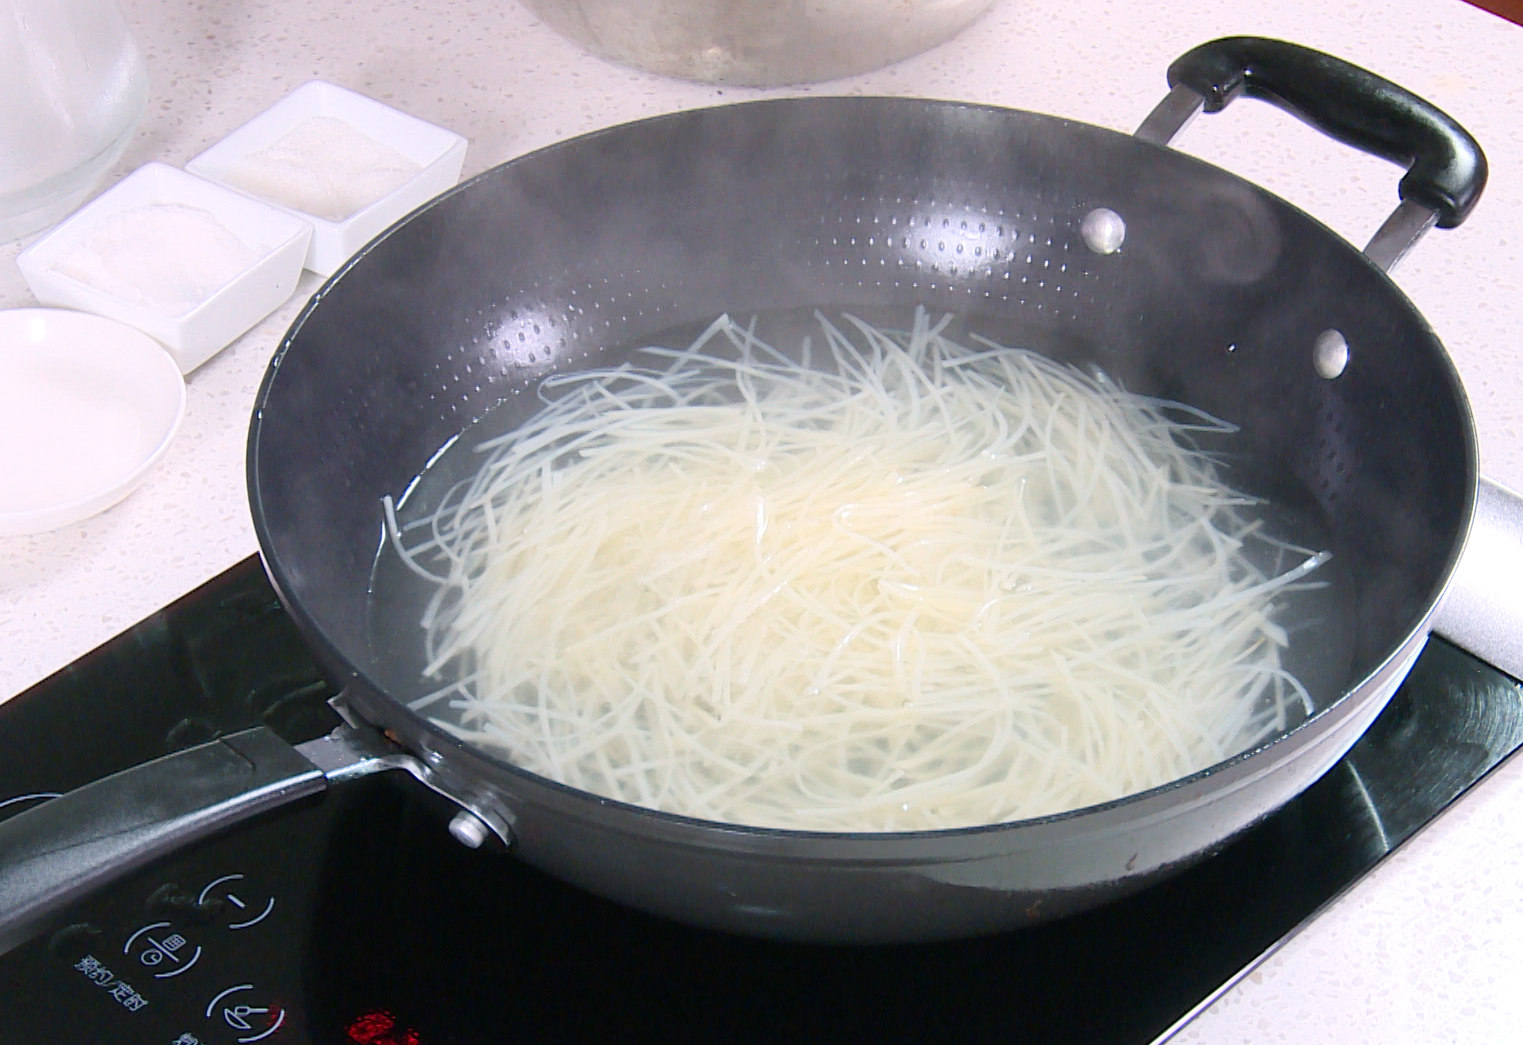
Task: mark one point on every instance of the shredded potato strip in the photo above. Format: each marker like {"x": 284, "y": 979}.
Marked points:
{"x": 928, "y": 586}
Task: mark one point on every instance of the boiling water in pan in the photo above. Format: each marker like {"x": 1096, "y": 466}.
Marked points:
{"x": 1317, "y": 618}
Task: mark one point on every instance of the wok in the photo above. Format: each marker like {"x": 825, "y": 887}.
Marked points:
{"x": 1221, "y": 296}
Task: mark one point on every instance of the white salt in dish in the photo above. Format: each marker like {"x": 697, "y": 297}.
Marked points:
{"x": 347, "y": 164}
{"x": 87, "y": 406}
{"x": 190, "y": 263}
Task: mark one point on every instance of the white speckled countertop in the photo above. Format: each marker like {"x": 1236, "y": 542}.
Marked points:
{"x": 1430, "y": 947}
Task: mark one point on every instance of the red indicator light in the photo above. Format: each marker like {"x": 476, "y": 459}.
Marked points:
{"x": 380, "y": 1028}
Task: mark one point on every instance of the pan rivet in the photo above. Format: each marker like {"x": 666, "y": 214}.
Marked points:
{"x": 1329, "y": 356}
{"x": 1103, "y": 230}
{"x": 468, "y": 830}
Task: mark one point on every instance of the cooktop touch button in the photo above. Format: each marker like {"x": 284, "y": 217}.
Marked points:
{"x": 246, "y": 911}
{"x": 157, "y": 945}
{"x": 241, "y": 1012}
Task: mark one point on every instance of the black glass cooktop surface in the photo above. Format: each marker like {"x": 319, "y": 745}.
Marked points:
{"x": 357, "y": 919}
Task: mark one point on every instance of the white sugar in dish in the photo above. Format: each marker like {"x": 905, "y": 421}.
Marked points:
{"x": 322, "y": 167}
{"x": 167, "y": 257}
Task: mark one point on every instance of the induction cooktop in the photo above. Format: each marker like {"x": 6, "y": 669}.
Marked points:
{"x": 356, "y": 919}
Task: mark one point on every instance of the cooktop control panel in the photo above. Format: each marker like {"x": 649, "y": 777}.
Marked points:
{"x": 203, "y": 950}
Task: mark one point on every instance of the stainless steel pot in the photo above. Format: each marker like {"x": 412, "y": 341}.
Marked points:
{"x": 762, "y": 43}
{"x": 1352, "y": 421}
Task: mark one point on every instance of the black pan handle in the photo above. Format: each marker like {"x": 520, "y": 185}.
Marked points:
{"x": 1446, "y": 169}
{"x": 61, "y": 850}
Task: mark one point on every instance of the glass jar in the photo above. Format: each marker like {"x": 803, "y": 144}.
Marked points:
{"x": 74, "y": 86}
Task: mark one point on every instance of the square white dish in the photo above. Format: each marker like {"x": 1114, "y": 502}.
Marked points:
{"x": 66, "y": 268}
{"x": 438, "y": 153}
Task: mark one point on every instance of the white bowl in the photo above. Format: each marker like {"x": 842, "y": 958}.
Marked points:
{"x": 438, "y": 153}
{"x": 87, "y": 405}
{"x": 170, "y": 271}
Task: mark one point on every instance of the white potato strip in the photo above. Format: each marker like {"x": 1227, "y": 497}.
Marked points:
{"x": 927, "y": 586}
